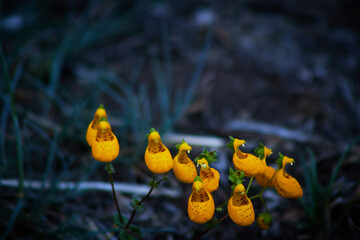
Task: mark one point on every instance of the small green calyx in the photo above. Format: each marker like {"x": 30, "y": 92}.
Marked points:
{"x": 179, "y": 145}
{"x": 266, "y": 217}
{"x": 101, "y": 106}
{"x": 260, "y": 151}
{"x": 279, "y": 161}
{"x": 197, "y": 178}
{"x": 209, "y": 156}
{"x": 150, "y": 132}
{"x": 103, "y": 119}
{"x": 230, "y": 144}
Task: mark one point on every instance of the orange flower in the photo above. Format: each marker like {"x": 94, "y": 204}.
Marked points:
{"x": 246, "y": 162}
{"x": 240, "y": 208}
{"x": 184, "y": 168}
{"x": 264, "y": 178}
{"x": 201, "y": 206}
{"x": 208, "y": 175}
{"x": 92, "y": 128}
{"x": 105, "y": 147}
{"x": 157, "y": 157}
{"x": 263, "y": 221}
{"x": 286, "y": 185}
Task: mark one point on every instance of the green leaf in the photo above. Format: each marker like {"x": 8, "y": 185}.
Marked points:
{"x": 209, "y": 156}
{"x": 179, "y": 145}
{"x": 260, "y": 151}
{"x": 152, "y": 183}
{"x": 127, "y": 236}
{"x": 135, "y": 204}
{"x": 279, "y": 161}
{"x": 118, "y": 222}
{"x": 101, "y": 106}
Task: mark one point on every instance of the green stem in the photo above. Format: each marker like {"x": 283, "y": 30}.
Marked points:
{"x": 19, "y": 158}
{"x": 208, "y": 229}
{"x": 110, "y": 169}
{"x": 263, "y": 202}
{"x": 144, "y": 198}
{"x": 248, "y": 187}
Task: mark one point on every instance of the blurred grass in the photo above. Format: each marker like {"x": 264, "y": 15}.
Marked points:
{"x": 55, "y": 91}
{"x": 319, "y": 199}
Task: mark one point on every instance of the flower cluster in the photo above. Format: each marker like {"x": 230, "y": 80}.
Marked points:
{"x": 201, "y": 207}
{"x": 205, "y": 181}
{"x": 104, "y": 144}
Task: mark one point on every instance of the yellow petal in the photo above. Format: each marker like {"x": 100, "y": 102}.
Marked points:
{"x": 286, "y": 185}
{"x": 105, "y": 147}
{"x": 157, "y": 157}
{"x": 261, "y": 224}
{"x": 201, "y": 206}
{"x": 248, "y": 163}
{"x": 264, "y": 178}
{"x": 210, "y": 178}
{"x": 184, "y": 169}
{"x": 92, "y": 128}
{"x": 240, "y": 208}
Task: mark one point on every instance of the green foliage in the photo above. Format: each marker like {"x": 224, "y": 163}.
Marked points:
{"x": 209, "y": 156}
{"x": 236, "y": 177}
{"x": 124, "y": 235}
{"x": 279, "y": 161}
{"x": 150, "y": 132}
{"x": 136, "y": 204}
{"x": 197, "y": 178}
{"x": 179, "y": 145}
{"x": 109, "y": 168}
{"x": 212, "y": 223}
{"x": 260, "y": 151}
{"x": 266, "y": 217}
{"x": 230, "y": 144}
{"x": 317, "y": 198}
{"x": 152, "y": 183}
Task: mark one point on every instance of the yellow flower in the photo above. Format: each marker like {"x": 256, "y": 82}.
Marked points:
{"x": 246, "y": 162}
{"x": 264, "y": 178}
{"x": 105, "y": 146}
{"x": 240, "y": 208}
{"x": 286, "y": 185}
{"x": 201, "y": 206}
{"x": 208, "y": 175}
{"x": 184, "y": 168}
{"x": 263, "y": 221}
{"x": 92, "y": 128}
{"x": 157, "y": 157}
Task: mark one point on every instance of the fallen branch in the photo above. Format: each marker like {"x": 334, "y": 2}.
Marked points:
{"x": 125, "y": 188}
{"x": 193, "y": 140}
{"x": 272, "y": 130}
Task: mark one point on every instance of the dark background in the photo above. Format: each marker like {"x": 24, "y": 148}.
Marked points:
{"x": 284, "y": 73}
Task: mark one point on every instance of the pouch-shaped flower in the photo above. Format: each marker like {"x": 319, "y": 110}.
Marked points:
{"x": 105, "y": 147}
{"x": 157, "y": 157}
{"x": 250, "y": 164}
{"x": 201, "y": 206}
{"x": 240, "y": 208}
{"x": 92, "y": 128}
{"x": 286, "y": 185}
{"x": 263, "y": 221}
{"x": 209, "y": 176}
{"x": 184, "y": 169}
{"x": 263, "y": 179}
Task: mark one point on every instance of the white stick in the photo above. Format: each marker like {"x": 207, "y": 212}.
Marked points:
{"x": 125, "y": 188}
